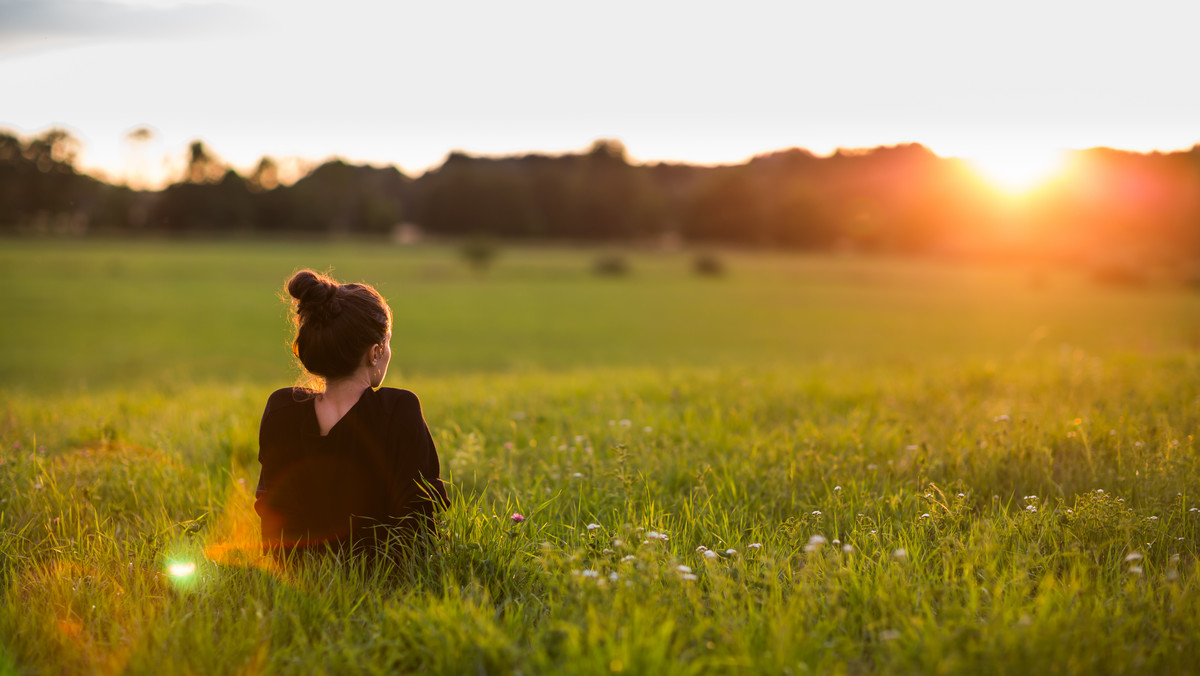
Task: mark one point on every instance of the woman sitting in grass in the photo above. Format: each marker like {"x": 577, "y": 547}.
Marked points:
{"x": 351, "y": 465}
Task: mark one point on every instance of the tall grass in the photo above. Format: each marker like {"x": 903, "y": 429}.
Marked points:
{"x": 829, "y": 467}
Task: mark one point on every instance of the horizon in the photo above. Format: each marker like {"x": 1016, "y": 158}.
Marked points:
{"x": 1008, "y": 86}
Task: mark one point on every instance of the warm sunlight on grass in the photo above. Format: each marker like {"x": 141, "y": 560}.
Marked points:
{"x": 1018, "y": 170}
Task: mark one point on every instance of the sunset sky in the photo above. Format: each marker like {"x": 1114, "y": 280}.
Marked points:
{"x": 406, "y": 82}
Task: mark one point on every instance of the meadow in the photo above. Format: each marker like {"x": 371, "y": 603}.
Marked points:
{"x": 808, "y": 465}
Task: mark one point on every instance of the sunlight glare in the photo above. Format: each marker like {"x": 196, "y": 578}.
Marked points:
{"x": 1018, "y": 170}
{"x": 181, "y": 570}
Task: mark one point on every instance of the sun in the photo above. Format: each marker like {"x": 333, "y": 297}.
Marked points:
{"x": 1016, "y": 170}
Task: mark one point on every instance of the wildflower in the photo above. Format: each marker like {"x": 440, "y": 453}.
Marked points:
{"x": 1031, "y": 497}
{"x": 655, "y": 535}
{"x": 754, "y": 545}
{"x": 872, "y": 532}
{"x": 683, "y": 569}
{"x": 613, "y": 576}
{"x": 925, "y": 515}
{"x": 1137, "y": 444}
{"x": 590, "y": 573}
{"x": 962, "y": 495}
{"x": 1031, "y": 509}
{"x": 593, "y": 526}
{"x": 816, "y": 512}
{"x": 1133, "y": 556}
{"x": 837, "y": 488}
{"x": 626, "y": 423}
{"x": 1194, "y": 509}
{"x": 577, "y": 475}
{"x": 617, "y": 542}
{"x": 1152, "y": 518}
{"x": 929, "y": 495}
{"x": 1078, "y": 421}
{"x": 710, "y": 554}
{"x": 627, "y": 558}
{"x": 901, "y": 553}
{"x": 1001, "y": 418}
{"x": 1070, "y": 511}
{"x": 836, "y": 542}
{"x": 517, "y": 517}
{"x": 689, "y": 577}
{"x": 847, "y": 548}
{"x": 1099, "y": 490}
{"x": 814, "y": 543}
{"x": 1135, "y": 570}
{"x": 730, "y": 552}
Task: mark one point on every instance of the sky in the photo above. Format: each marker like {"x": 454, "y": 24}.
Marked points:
{"x": 405, "y": 83}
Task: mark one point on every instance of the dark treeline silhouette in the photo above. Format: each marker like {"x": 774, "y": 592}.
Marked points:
{"x": 1106, "y": 205}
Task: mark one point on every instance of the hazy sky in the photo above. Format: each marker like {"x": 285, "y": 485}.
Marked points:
{"x": 406, "y": 82}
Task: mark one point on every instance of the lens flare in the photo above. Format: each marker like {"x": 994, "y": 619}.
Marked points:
{"x": 182, "y": 570}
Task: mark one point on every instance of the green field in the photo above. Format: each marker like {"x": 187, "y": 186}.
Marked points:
{"x": 999, "y": 461}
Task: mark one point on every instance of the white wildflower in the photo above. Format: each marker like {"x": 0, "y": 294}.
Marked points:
{"x": 701, "y": 549}
{"x": 590, "y": 573}
{"x": 837, "y": 488}
{"x": 689, "y": 577}
{"x": 683, "y": 569}
{"x": 710, "y": 554}
{"x": 754, "y": 545}
{"x": 593, "y": 526}
{"x": 1133, "y": 556}
{"x": 925, "y": 516}
{"x": 627, "y": 558}
{"x": 816, "y": 512}
{"x": 1135, "y": 570}
{"x": 900, "y": 553}
{"x": 613, "y": 576}
{"x": 847, "y": 548}
{"x": 730, "y": 552}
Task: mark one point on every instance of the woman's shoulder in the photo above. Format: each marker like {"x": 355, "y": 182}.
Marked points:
{"x": 286, "y": 397}
{"x": 396, "y": 397}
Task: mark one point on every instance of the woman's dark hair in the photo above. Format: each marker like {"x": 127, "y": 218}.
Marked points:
{"x": 335, "y": 323}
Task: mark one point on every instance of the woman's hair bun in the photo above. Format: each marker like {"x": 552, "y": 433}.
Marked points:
{"x": 312, "y": 291}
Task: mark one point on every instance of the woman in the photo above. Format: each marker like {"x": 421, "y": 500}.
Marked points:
{"x": 345, "y": 465}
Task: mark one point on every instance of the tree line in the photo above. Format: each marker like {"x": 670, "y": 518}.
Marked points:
{"x": 897, "y": 199}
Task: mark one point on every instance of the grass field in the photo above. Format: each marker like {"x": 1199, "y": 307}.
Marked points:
{"x": 898, "y": 466}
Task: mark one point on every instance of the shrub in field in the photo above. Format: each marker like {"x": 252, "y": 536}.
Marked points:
{"x": 708, "y": 265}
{"x": 611, "y": 265}
{"x": 479, "y": 252}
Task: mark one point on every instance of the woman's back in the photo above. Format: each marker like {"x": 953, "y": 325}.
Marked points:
{"x": 375, "y": 467}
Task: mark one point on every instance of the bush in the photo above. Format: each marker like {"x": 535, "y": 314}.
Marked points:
{"x": 479, "y": 252}
{"x": 611, "y": 265}
{"x": 708, "y": 265}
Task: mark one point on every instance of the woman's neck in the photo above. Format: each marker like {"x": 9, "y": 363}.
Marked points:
{"x": 347, "y": 390}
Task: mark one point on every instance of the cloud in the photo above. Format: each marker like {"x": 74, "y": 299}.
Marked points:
{"x": 27, "y": 25}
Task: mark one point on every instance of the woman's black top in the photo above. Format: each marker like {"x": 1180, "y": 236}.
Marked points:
{"x": 376, "y": 467}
